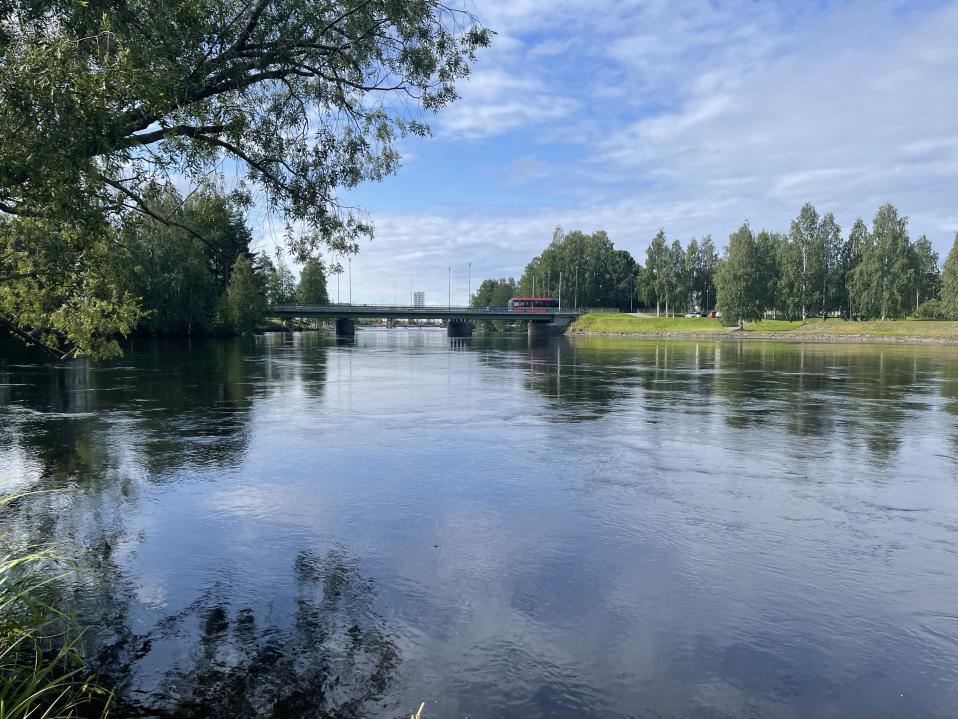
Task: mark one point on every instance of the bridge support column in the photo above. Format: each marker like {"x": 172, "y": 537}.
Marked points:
{"x": 459, "y": 328}
{"x": 345, "y": 327}
{"x": 543, "y": 330}
{"x": 288, "y": 325}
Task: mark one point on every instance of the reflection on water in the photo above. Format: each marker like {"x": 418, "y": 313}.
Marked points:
{"x": 294, "y": 527}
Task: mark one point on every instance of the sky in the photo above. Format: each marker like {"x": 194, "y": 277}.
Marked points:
{"x": 693, "y": 116}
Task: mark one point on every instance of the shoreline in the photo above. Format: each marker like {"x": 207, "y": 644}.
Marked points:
{"x": 775, "y": 336}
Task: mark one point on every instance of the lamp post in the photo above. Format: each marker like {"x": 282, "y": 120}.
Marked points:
{"x": 469, "y": 284}
{"x": 350, "y": 280}
{"x": 450, "y": 287}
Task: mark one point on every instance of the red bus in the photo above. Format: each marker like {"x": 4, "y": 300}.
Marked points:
{"x": 533, "y": 304}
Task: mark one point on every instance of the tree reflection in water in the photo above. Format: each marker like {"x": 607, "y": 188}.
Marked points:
{"x": 332, "y": 658}
{"x": 574, "y": 389}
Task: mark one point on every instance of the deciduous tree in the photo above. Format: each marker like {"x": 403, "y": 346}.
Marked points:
{"x": 883, "y": 278}
{"x": 851, "y": 255}
{"x": 767, "y": 249}
{"x": 949, "y": 281}
{"x": 927, "y": 277}
{"x": 657, "y": 270}
{"x": 311, "y": 289}
{"x": 708, "y": 263}
{"x": 306, "y": 98}
{"x": 738, "y": 281}
{"x": 244, "y": 303}
{"x": 592, "y": 274}
{"x": 177, "y": 277}
{"x": 801, "y": 266}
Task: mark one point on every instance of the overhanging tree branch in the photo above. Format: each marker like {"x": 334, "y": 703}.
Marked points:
{"x": 165, "y": 133}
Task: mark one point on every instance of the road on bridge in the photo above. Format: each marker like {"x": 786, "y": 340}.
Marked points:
{"x": 346, "y": 311}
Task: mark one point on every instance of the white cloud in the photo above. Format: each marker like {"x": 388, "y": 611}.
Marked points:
{"x": 494, "y": 101}
{"x": 627, "y": 116}
{"x": 860, "y": 111}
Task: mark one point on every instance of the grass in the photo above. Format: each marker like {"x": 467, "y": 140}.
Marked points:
{"x": 42, "y": 671}
{"x": 616, "y": 323}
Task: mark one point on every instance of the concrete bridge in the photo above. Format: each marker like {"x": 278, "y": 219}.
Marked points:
{"x": 458, "y": 320}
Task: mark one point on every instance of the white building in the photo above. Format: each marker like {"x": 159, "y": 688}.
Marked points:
{"x": 419, "y": 299}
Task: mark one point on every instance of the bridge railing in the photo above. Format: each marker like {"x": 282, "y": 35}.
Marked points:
{"x": 449, "y": 309}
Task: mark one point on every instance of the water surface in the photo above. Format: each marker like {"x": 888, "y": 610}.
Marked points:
{"x": 290, "y": 527}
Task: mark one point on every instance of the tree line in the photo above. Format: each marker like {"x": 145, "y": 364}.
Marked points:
{"x": 199, "y": 276}
{"x": 189, "y": 285}
{"x": 585, "y": 270}
{"x": 810, "y": 271}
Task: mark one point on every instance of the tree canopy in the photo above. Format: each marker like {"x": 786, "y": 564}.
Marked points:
{"x": 585, "y": 269}
{"x": 177, "y": 278}
{"x": 738, "y": 280}
{"x": 494, "y": 293}
{"x": 303, "y": 99}
{"x": 949, "y": 280}
{"x": 311, "y": 289}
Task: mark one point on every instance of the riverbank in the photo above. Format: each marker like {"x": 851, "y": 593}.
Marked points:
{"x": 815, "y": 330}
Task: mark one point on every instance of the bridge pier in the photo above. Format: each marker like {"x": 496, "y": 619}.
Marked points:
{"x": 345, "y": 327}
{"x": 288, "y": 325}
{"x": 458, "y": 328}
{"x": 548, "y": 328}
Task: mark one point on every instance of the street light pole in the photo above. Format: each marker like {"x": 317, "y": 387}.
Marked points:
{"x": 469, "y": 281}
{"x": 450, "y": 287}
{"x": 350, "y": 280}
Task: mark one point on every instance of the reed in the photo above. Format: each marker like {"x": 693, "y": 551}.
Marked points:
{"x": 43, "y": 674}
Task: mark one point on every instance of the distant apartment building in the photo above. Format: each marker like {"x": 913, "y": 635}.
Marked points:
{"x": 419, "y": 299}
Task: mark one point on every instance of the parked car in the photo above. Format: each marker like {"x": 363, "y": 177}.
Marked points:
{"x": 713, "y": 313}
{"x": 695, "y": 314}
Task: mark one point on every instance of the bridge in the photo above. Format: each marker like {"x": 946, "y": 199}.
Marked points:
{"x": 458, "y": 320}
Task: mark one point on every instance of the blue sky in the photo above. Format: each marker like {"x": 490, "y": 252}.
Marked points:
{"x": 629, "y": 115}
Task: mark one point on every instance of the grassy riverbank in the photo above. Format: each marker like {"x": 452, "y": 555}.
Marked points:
{"x": 815, "y": 330}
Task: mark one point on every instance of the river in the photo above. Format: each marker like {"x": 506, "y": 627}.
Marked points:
{"x": 289, "y": 526}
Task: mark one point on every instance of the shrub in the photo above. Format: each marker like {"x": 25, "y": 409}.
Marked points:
{"x": 931, "y": 310}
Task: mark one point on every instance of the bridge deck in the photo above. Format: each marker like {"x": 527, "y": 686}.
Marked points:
{"x": 416, "y": 313}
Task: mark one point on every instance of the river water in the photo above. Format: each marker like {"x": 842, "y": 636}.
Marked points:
{"x": 286, "y": 526}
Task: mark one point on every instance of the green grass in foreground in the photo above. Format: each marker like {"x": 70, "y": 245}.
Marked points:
{"x": 613, "y": 323}
{"x": 42, "y": 671}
